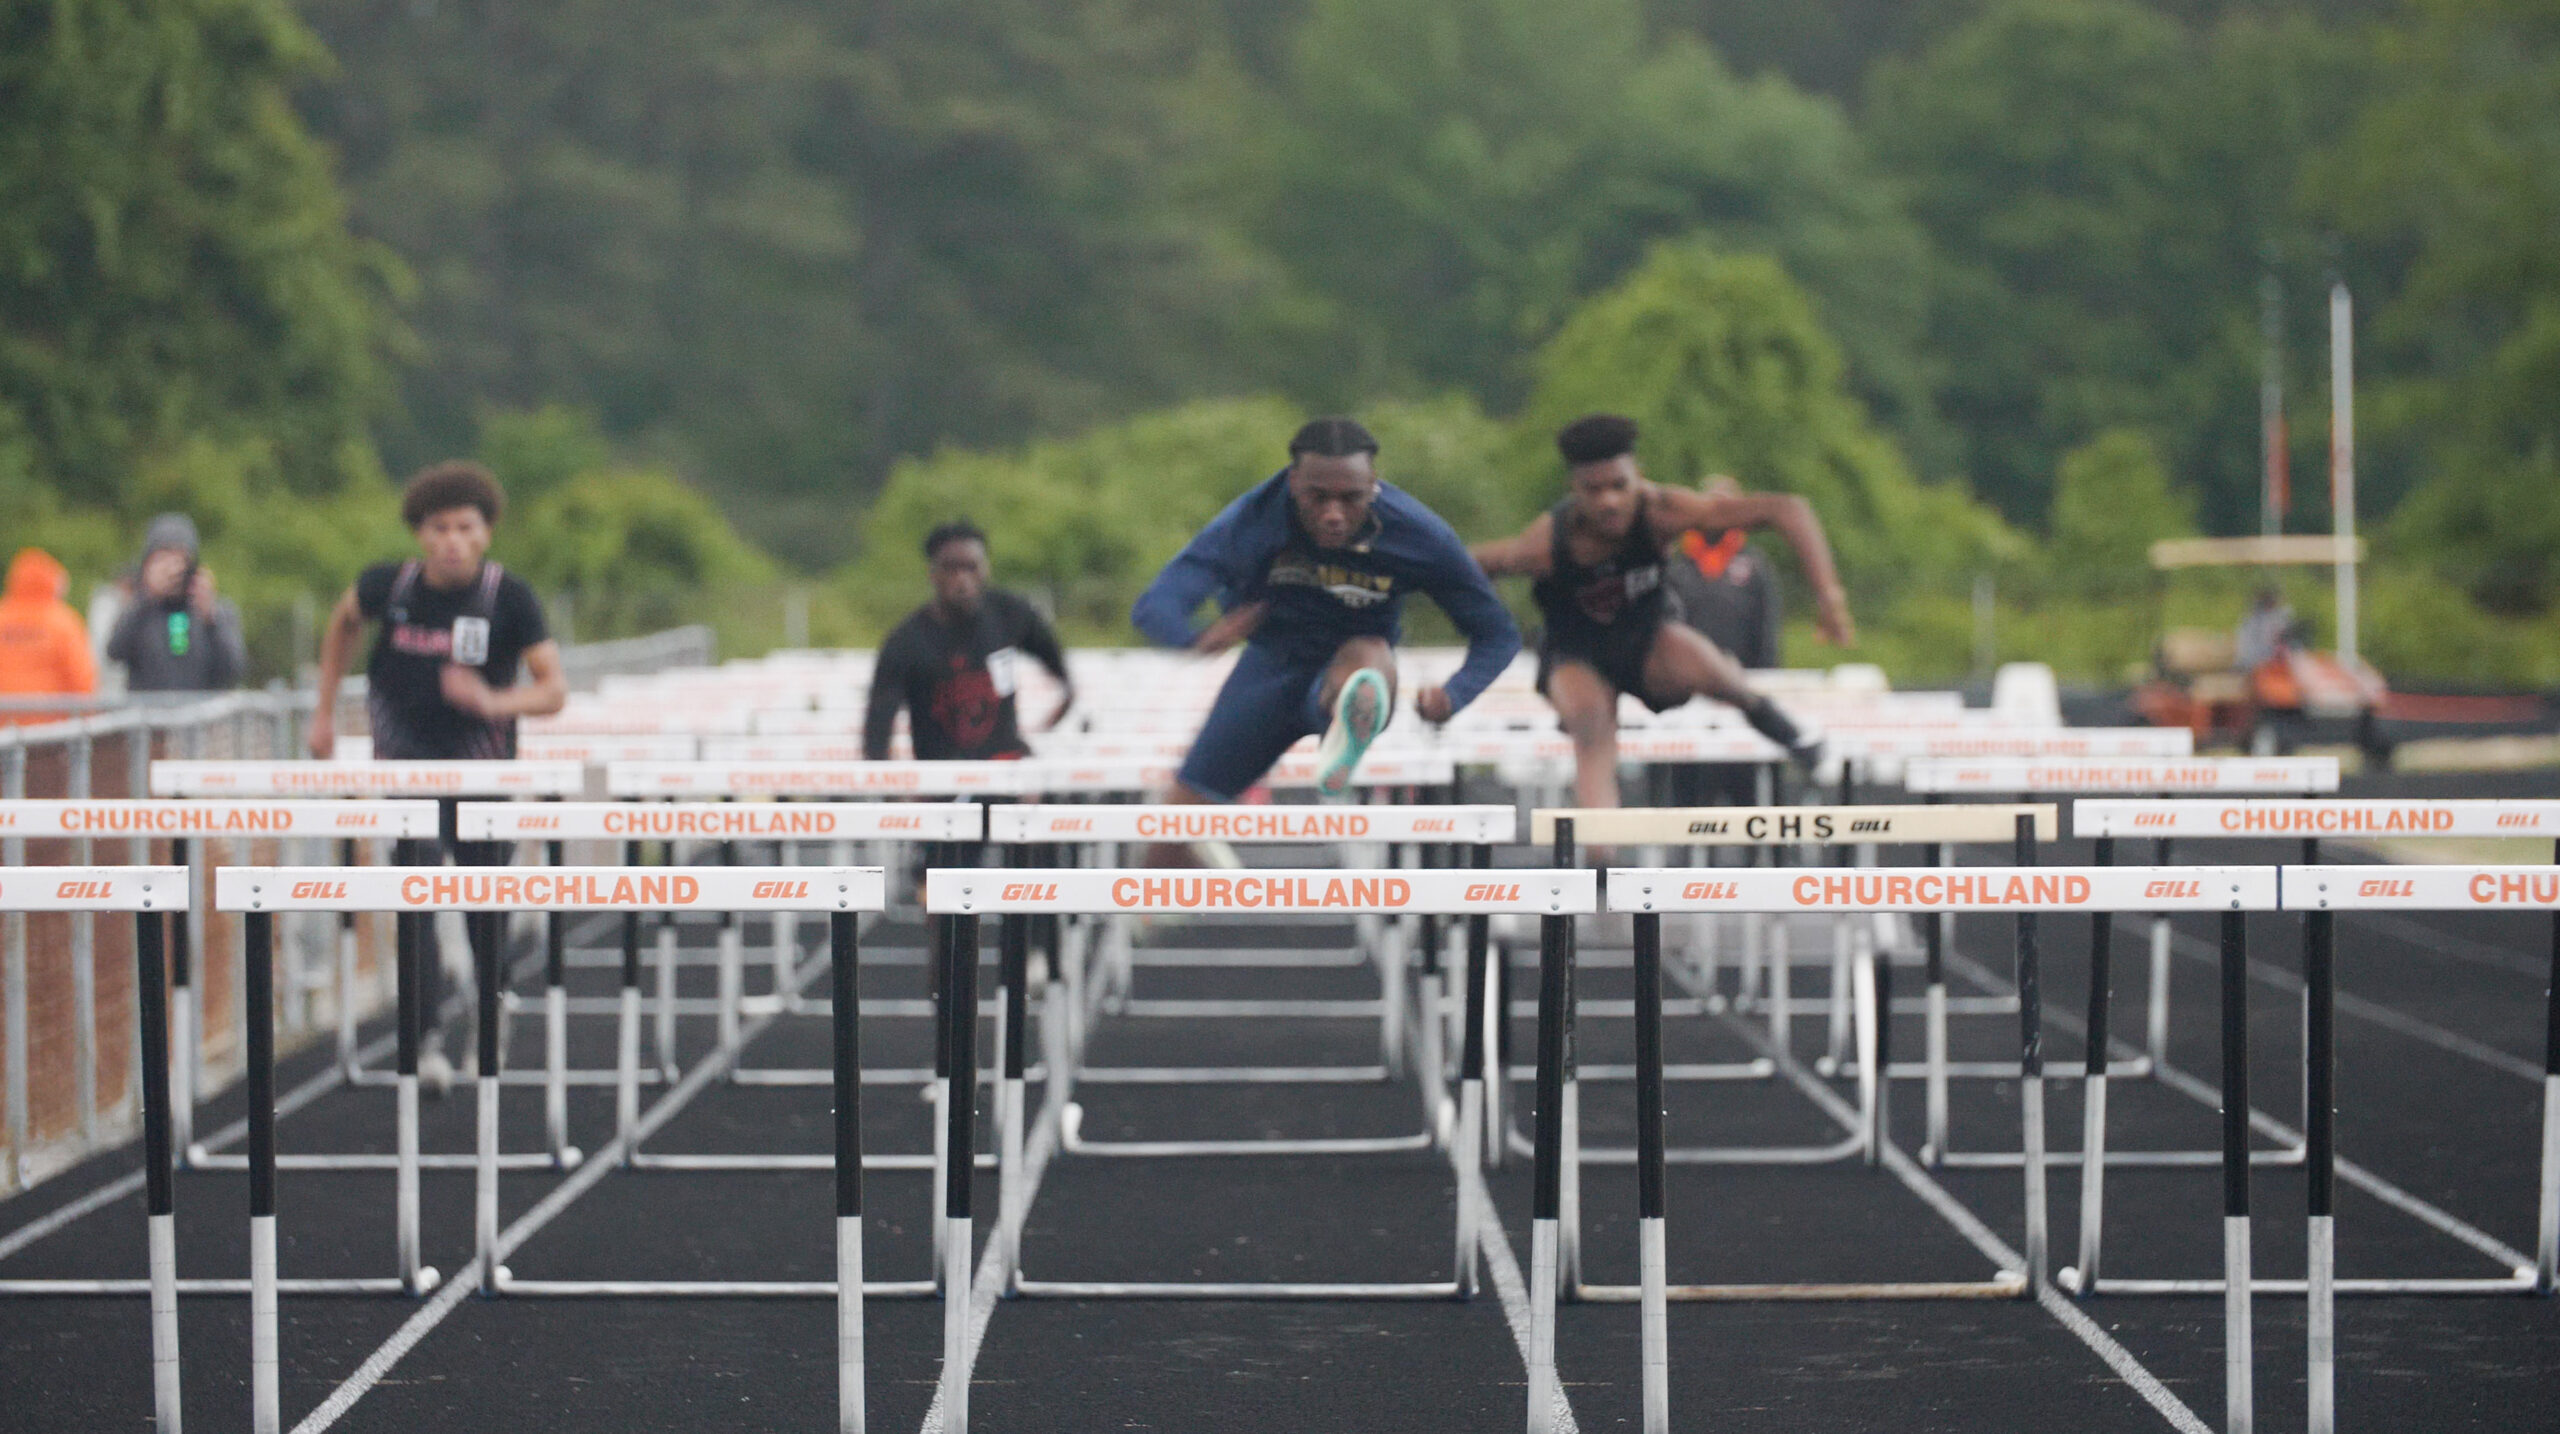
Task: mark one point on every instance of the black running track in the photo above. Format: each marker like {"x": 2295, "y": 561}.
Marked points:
{"x": 2440, "y": 1037}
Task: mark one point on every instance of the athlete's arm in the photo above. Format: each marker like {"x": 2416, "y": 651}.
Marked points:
{"x": 880, "y": 706}
{"x": 1217, "y": 559}
{"x": 346, "y": 624}
{"x": 1458, "y": 583}
{"x": 544, "y": 691}
{"x": 1678, "y": 508}
{"x": 1041, "y": 641}
{"x": 1526, "y": 553}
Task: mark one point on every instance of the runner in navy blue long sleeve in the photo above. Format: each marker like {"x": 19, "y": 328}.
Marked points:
{"x": 1313, "y": 567}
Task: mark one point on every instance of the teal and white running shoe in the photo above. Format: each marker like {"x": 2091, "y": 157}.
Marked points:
{"x": 1359, "y": 715}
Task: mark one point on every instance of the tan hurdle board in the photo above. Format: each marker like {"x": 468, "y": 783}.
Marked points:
{"x": 2002, "y": 775}
{"x": 720, "y": 821}
{"x": 215, "y": 817}
{"x": 1937, "y": 888}
{"x": 1791, "y": 826}
{"x": 556, "y": 888}
{"x": 2421, "y": 888}
{"x": 367, "y": 779}
{"x": 1178, "y": 823}
{"x": 93, "y": 888}
{"x": 2275, "y": 817}
{"x": 966, "y": 891}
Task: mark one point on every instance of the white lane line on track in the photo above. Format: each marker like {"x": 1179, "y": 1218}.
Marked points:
{"x": 123, "y": 1185}
{"x": 464, "y": 1282}
{"x": 1918, "y": 1181}
{"x": 986, "y": 1288}
{"x": 2209, "y": 1096}
{"x": 2371, "y": 1012}
{"x": 1512, "y": 1290}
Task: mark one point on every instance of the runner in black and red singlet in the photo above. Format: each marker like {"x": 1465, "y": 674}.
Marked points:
{"x": 463, "y": 652}
{"x": 1611, "y": 625}
{"x": 955, "y": 664}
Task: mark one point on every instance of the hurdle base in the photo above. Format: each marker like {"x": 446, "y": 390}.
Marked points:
{"x": 2520, "y": 1282}
{"x": 2137, "y": 1068}
{"x": 508, "y": 1284}
{"x": 2008, "y": 1285}
{"x": 2154, "y": 1159}
{"x": 516, "y": 1160}
{"x": 641, "y": 1160}
{"x": 393, "y": 1285}
{"x": 1175, "y": 1290}
{"x": 1848, "y": 1147}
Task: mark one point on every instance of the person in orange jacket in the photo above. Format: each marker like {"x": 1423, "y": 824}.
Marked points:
{"x": 44, "y": 646}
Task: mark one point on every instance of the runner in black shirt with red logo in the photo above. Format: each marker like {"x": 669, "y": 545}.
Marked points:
{"x": 1611, "y": 626}
{"x": 956, "y": 663}
{"x": 458, "y": 631}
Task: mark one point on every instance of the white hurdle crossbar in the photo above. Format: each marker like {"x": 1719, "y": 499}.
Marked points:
{"x": 147, "y": 892}
{"x": 260, "y": 892}
{"x": 1647, "y": 893}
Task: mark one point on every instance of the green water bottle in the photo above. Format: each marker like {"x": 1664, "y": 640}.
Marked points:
{"x": 179, "y": 627}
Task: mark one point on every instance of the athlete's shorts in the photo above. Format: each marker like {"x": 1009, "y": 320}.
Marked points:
{"x": 1617, "y": 653}
{"x": 1269, "y": 702}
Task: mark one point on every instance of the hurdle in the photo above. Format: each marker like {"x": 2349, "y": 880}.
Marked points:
{"x": 841, "y": 892}
{"x": 1938, "y": 778}
{"x": 1016, "y": 895}
{"x": 147, "y": 892}
{"x": 1648, "y": 893}
{"x": 448, "y": 783}
{"x": 2310, "y": 822}
{"x": 1477, "y": 827}
{"x": 2319, "y": 892}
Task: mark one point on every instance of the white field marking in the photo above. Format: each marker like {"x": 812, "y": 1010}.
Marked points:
{"x": 986, "y": 1288}
{"x": 1513, "y": 1291}
{"x": 2210, "y": 1097}
{"x": 123, "y": 1185}
{"x": 465, "y": 1282}
{"x": 1918, "y": 1181}
{"x": 2415, "y": 1027}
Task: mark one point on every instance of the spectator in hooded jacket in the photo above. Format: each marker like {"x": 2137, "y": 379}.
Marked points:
{"x": 176, "y": 635}
{"x": 44, "y": 646}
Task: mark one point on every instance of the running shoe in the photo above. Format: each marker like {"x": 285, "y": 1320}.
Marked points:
{"x": 1359, "y": 714}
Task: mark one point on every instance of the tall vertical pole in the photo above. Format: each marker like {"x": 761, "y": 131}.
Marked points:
{"x": 258, "y": 976}
{"x": 960, "y": 1011}
{"x": 2031, "y": 1064}
{"x": 1652, "y": 1259}
{"x": 2273, "y": 479}
{"x": 2239, "y": 1403}
{"x": 159, "y": 1181}
{"x": 843, "y": 950}
{"x": 2342, "y": 459}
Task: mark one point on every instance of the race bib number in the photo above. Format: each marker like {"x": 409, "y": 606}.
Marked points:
{"x": 471, "y": 641}
{"x": 1004, "y": 669}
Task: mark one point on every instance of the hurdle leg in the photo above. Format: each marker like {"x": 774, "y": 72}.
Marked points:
{"x": 2030, "y": 980}
{"x": 2155, "y": 1034}
{"x": 484, "y": 1168}
{"x": 258, "y": 983}
{"x": 2319, "y": 1080}
{"x": 1476, "y": 975}
{"x": 409, "y": 942}
{"x": 2547, "y": 1255}
{"x": 1392, "y": 948}
{"x": 1548, "y": 1174}
{"x": 666, "y": 1026}
{"x": 2239, "y": 1402}
{"x": 182, "y": 1014}
{"x": 1652, "y": 1259}
{"x": 1937, "y": 934}
{"x": 1013, "y": 942}
{"x": 2093, "y": 1087}
{"x": 626, "y": 1064}
{"x": 1569, "y": 1206}
{"x": 1843, "y": 942}
{"x": 732, "y": 978}
{"x": 1869, "y": 1014}
{"x": 843, "y": 952}
{"x": 151, "y": 991}
{"x": 961, "y": 1111}
{"x": 1497, "y": 1038}
{"x": 938, "y": 945}
{"x": 1781, "y": 990}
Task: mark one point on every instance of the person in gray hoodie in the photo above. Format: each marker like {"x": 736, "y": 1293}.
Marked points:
{"x": 177, "y": 636}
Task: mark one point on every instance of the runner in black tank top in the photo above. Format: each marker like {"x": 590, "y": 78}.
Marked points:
{"x": 1605, "y": 613}
{"x": 1612, "y": 626}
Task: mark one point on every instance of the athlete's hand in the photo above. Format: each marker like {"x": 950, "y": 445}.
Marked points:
{"x": 1230, "y": 629}
{"x": 322, "y": 735}
{"x": 1432, "y": 705}
{"x": 1832, "y": 616}
{"x": 466, "y": 689}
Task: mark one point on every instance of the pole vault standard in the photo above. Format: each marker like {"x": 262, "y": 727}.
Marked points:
{"x": 147, "y": 892}
{"x": 260, "y": 892}
{"x": 2319, "y": 892}
{"x": 1938, "y": 778}
{"x": 968, "y": 894}
{"x": 1110, "y": 826}
{"x": 2310, "y": 822}
{"x": 1648, "y": 893}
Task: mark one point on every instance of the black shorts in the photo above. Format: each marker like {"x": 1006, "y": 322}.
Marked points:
{"x": 1617, "y": 653}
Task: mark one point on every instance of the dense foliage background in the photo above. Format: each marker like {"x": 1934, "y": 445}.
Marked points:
{"x": 741, "y": 295}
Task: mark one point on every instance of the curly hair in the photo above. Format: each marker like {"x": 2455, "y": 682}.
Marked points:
{"x": 443, "y": 487}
